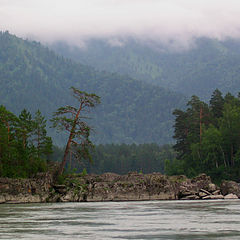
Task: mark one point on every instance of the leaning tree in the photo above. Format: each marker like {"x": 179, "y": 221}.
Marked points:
{"x": 72, "y": 120}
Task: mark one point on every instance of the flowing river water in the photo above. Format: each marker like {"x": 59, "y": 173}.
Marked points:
{"x": 122, "y": 220}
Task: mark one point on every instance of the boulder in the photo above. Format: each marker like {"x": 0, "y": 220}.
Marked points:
{"x": 202, "y": 181}
{"x": 204, "y": 191}
{"x": 2, "y": 199}
{"x": 185, "y": 192}
{"x": 202, "y": 194}
{"x": 212, "y": 187}
{"x": 228, "y": 187}
{"x": 191, "y": 197}
{"x": 217, "y": 192}
{"x": 70, "y": 196}
{"x": 231, "y": 196}
{"x": 209, "y": 197}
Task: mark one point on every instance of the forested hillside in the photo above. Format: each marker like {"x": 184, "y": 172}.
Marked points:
{"x": 207, "y": 65}
{"x": 33, "y": 77}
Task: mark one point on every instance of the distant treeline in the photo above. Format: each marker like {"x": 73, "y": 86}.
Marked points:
{"x": 123, "y": 158}
{"x": 208, "y": 138}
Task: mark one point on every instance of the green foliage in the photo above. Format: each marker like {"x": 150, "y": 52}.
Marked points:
{"x": 84, "y": 172}
{"x": 131, "y": 111}
{"x": 61, "y": 179}
{"x": 19, "y": 157}
{"x": 217, "y": 104}
{"x": 208, "y": 138}
{"x": 41, "y": 141}
{"x": 174, "y": 167}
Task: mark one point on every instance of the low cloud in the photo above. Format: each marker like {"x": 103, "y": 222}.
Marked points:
{"x": 174, "y": 22}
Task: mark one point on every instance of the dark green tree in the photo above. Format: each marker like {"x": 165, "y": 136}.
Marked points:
{"x": 25, "y": 126}
{"x": 217, "y": 104}
{"x": 181, "y": 131}
{"x": 42, "y": 142}
{"x": 230, "y": 130}
{"x": 8, "y": 153}
{"x": 189, "y": 125}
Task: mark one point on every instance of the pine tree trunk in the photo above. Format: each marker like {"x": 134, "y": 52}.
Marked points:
{"x": 69, "y": 141}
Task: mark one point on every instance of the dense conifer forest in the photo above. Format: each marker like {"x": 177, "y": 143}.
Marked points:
{"x": 208, "y": 138}
{"x": 25, "y": 147}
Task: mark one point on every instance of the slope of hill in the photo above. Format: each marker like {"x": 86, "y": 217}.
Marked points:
{"x": 209, "y": 65}
{"x": 33, "y": 77}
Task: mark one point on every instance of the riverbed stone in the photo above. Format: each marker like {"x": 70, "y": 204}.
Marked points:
{"x": 2, "y": 199}
{"x": 205, "y": 191}
{"x": 202, "y": 194}
{"x": 228, "y": 187}
{"x": 212, "y": 187}
{"x": 231, "y": 196}
{"x": 191, "y": 197}
{"x": 208, "y": 197}
{"x": 217, "y": 192}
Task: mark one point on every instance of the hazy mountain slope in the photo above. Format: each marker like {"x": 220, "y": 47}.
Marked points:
{"x": 209, "y": 65}
{"x": 32, "y": 77}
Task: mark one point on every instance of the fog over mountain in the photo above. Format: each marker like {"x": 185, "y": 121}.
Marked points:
{"x": 175, "y": 23}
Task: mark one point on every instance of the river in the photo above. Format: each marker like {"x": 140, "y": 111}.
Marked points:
{"x": 122, "y": 220}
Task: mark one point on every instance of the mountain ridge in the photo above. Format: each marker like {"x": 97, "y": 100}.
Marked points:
{"x": 199, "y": 70}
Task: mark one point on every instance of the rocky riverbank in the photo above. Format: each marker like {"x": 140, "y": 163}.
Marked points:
{"x": 112, "y": 187}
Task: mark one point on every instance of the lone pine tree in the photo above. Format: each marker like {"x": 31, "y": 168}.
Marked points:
{"x": 70, "y": 119}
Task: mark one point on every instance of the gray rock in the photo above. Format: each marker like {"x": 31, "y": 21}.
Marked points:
{"x": 212, "y": 187}
{"x": 205, "y": 191}
{"x": 217, "y": 192}
{"x": 191, "y": 197}
{"x": 228, "y": 187}
{"x": 186, "y": 192}
{"x": 2, "y": 199}
{"x": 231, "y": 196}
{"x": 202, "y": 194}
{"x": 213, "y": 197}
{"x": 69, "y": 197}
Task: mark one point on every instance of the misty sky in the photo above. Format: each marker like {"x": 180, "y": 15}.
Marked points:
{"x": 177, "y": 21}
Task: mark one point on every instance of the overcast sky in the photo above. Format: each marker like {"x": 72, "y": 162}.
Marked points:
{"x": 177, "y": 21}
